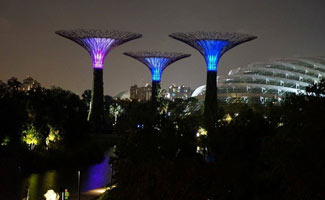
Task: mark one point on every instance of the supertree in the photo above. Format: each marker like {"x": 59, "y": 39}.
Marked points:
{"x": 212, "y": 45}
{"x": 156, "y": 63}
{"x": 98, "y": 43}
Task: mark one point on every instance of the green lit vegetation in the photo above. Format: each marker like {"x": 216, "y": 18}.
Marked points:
{"x": 256, "y": 152}
{"x": 43, "y": 127}
{"x": 31, "y": 137}
{"x": 5, "y": 141}
{"x": 54, "y": 136}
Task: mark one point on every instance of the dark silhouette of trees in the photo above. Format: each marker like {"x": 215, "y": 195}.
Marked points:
{"x": 260, "y": 152}
{"x": 86, "y": 96}
{"x": 14, "y": 84}
{"x": 41, "y": 108}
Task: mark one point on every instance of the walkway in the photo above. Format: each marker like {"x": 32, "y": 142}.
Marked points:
{"x": 90, "y": 195}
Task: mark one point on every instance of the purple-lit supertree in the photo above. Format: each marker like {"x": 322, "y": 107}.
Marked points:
{"x": 156, "y": 62}
{"x": 212, "y": 45}
{"x": 98, "y": 43}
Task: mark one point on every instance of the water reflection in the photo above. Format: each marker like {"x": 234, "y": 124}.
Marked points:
{"x": 33, "y": 185}
{"x": 97, "y": 175}
{"x": 92, "y": 177}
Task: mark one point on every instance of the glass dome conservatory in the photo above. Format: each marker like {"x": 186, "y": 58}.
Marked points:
{"x": 268, "y": 81}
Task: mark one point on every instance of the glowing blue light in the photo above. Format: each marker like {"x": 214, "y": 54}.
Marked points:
{"x": 157, "y": 66}
{"x": 212, "y": 52}
{"x": 98, "y": 49}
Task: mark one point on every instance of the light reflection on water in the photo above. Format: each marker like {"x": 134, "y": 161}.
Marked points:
{"x": 95, "y": 176}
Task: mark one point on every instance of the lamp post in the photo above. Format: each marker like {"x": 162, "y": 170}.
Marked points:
{"x": 79, "y": 185}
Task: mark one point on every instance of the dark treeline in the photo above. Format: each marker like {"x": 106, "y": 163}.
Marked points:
{"x": 41, "y": 128}
{"x": 257, "y": 151}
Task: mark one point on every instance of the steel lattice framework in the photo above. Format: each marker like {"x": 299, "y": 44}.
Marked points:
{"x": 156, "y": 61}
{"x": 212, "y": 45}
{"x": 98, "y": 43}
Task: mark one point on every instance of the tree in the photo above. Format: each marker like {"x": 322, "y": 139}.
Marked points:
{"x": 86, "y": 96}
{"x": 14, "y": 84}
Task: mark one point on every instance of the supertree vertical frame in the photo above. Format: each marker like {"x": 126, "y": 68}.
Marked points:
{"x": 156, "y": 62}
{"x": 98, "y": 43}
{"x": 212, "y": 45}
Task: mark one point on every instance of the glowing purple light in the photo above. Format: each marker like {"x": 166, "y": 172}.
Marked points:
{"x": 98, "y": 48}
{"x": 97, "y": 175}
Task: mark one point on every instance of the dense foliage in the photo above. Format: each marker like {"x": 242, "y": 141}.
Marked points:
{"x": 257, "y": 151}
{"x": 40, "y": 109}
{"x": 41, "y": 128}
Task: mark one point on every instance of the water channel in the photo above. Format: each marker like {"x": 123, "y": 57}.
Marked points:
{"x": 92, "y": 177}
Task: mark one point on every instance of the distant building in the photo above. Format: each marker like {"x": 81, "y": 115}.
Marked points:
{"x": 30, "y": 84}
{"x": 181, "y": 92}
{"x": 140, "y": 93}
{"x": 125, "y": 95}
{"x": 173, "y": 92}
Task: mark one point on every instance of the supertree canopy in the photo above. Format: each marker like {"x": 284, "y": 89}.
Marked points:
{"x": 212, "y": 45}
{"x": 98, "y": 43}
{"x": 156, "y": 63}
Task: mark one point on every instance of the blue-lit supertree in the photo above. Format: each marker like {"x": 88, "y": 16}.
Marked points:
{"x": 156, "y": 62}
{"x": 212, "y": 45}
{"x": 98, "y": 43}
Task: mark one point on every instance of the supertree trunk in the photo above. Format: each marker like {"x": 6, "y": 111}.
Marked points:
{"x": 96, "y": 113}
{"x": 210, "y": 104}
{"x": 156, "y": 62}
{"x": 98, "y": 43}
{"x": 154, "y": 92}
{"x": 212, "y": 45}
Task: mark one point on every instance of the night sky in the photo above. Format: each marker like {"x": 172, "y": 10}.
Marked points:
{"x": 29, "y": 47}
